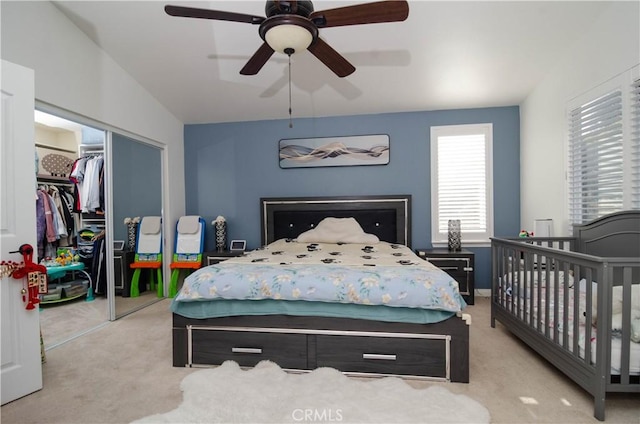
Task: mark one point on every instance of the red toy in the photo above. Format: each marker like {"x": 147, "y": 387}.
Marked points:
{"x": 33, "y": 271}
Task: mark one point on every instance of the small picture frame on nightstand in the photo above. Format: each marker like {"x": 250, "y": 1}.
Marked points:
{"x": 238, "y": 245}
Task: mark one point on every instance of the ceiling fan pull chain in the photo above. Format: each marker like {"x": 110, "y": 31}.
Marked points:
{"x": 290, "y": 122}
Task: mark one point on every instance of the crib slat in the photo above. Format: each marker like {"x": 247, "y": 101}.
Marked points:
{"x": 625, "y": 358}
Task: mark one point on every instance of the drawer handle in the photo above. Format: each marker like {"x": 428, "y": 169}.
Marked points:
{"x": 467, "y": 268}
{"x": 246, "y": 350}
{"x": 379, "y": 356}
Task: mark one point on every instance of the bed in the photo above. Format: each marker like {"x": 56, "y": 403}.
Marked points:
{"x": 576, "y": 301}
{"x": 354, "y": 337}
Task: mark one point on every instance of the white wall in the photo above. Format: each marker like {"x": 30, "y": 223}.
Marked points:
{"x": 64, "y": 139}
{"x": 73, "y": 73}
{"x": 608, "y": 48}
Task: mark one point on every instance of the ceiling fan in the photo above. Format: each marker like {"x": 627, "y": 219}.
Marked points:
{"x": 293, "y": 26}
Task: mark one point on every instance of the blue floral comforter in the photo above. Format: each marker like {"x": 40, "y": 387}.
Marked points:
{"x": 377, "y": 274}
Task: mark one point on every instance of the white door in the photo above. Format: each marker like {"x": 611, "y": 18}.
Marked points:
{"x": 21, "y": 371}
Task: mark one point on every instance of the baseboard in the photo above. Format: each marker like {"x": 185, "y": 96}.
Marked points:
{"x": 483, "y": 292}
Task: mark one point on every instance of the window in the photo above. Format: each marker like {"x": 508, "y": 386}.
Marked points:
{"x": 462, "y": 182}
{"x": 634, "y": 157}
{"x": 603, "y": 150}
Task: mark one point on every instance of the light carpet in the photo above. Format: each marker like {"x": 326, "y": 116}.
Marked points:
{"x": 267, "y": 394}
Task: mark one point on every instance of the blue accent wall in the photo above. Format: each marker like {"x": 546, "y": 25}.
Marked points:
{"x": 230, "y": 166}
{"x": 137, "y": 182}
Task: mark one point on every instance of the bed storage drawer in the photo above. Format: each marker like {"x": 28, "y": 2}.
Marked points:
{"x": 385, "y": 355}
{"x": 248, "y": 348}
{"x": 438, "y": 351}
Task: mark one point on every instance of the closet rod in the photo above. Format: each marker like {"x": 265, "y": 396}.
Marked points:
{"x": 50, "y": 179}
{"x": 88, "y": 147}
{"x": 55, "y": 183}
{"x": 59, "y": 149}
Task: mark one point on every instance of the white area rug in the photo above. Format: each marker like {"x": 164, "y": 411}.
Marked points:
{"x": 266, "y": 394}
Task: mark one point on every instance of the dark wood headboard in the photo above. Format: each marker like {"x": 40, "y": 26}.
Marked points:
{"x": 388, "y": 217}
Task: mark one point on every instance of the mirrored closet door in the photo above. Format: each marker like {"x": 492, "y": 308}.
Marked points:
{"x": 136, "y": 185}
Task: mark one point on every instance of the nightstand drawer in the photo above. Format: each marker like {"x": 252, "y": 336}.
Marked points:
{"x": 212, "y": 258}
{"x": 450, "y": 265}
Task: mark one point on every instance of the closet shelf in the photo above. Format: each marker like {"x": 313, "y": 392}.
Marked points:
{"x": 51, "y": 178}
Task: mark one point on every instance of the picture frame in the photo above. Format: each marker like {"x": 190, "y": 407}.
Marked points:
{"x": 238, "y": 245}
{"x": 334, "y": 151}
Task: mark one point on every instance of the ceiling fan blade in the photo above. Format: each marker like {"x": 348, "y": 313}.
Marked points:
{"x": 191, "y": 12}
{"x": 258, "y": 60}
{"x": 368, "y": 13}
{"x": 331, "y": 58}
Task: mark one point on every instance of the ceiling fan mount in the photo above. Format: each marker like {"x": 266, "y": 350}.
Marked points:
{"x": 292, "y": 26}
{"x": 301, "y": 7}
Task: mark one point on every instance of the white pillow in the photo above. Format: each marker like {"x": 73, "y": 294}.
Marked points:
{"x": 337, "y": 230}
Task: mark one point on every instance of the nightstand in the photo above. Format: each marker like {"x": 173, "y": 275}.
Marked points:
{"x": 458, "y": 264}
{"x": 214, "y": 257}
{"x": 122, "y": 259}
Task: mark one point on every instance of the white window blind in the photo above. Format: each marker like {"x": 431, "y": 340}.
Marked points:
{"x": 603, "y": 152}
{"x": 595, "y": 158}
{"x": 635, "y": 144}
{"x": 461, "y": 181}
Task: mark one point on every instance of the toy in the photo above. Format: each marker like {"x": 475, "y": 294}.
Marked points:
{"x": 34, "y": 274}
{"x": 64, "y": 257}
{"x": 189, "y": 245}
{"x": 148, "y": 254}
{"x": 525, "y": 233}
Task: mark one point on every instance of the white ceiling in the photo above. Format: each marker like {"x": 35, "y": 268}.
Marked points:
{"x": 446, "y": 55}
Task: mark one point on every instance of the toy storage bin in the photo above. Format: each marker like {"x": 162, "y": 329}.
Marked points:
{"x": 54, "y": 293}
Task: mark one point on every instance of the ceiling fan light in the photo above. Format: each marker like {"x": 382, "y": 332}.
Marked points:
{"x": 288, "y": 36}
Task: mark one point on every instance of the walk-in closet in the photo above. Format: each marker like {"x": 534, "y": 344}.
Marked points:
{"x": 89, "y": 182}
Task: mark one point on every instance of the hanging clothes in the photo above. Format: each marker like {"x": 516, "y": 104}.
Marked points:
{"x": 49, "y": 218}
{"x": 92, "y": 185}
{"x": 87, "y": 175}
{"x": 55, "y": 225}
{"x": 59, "y": 224}
{"x": 77, "y": 178}
{"x": 61, "y": 198}
{"x": 41, "y": 224}
{"x": 98, "y": 266}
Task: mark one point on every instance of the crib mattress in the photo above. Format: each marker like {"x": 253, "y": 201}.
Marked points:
{"x": 532, "y": 307}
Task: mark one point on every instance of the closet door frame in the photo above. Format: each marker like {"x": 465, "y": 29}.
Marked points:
{"x": 108, "y": 193}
